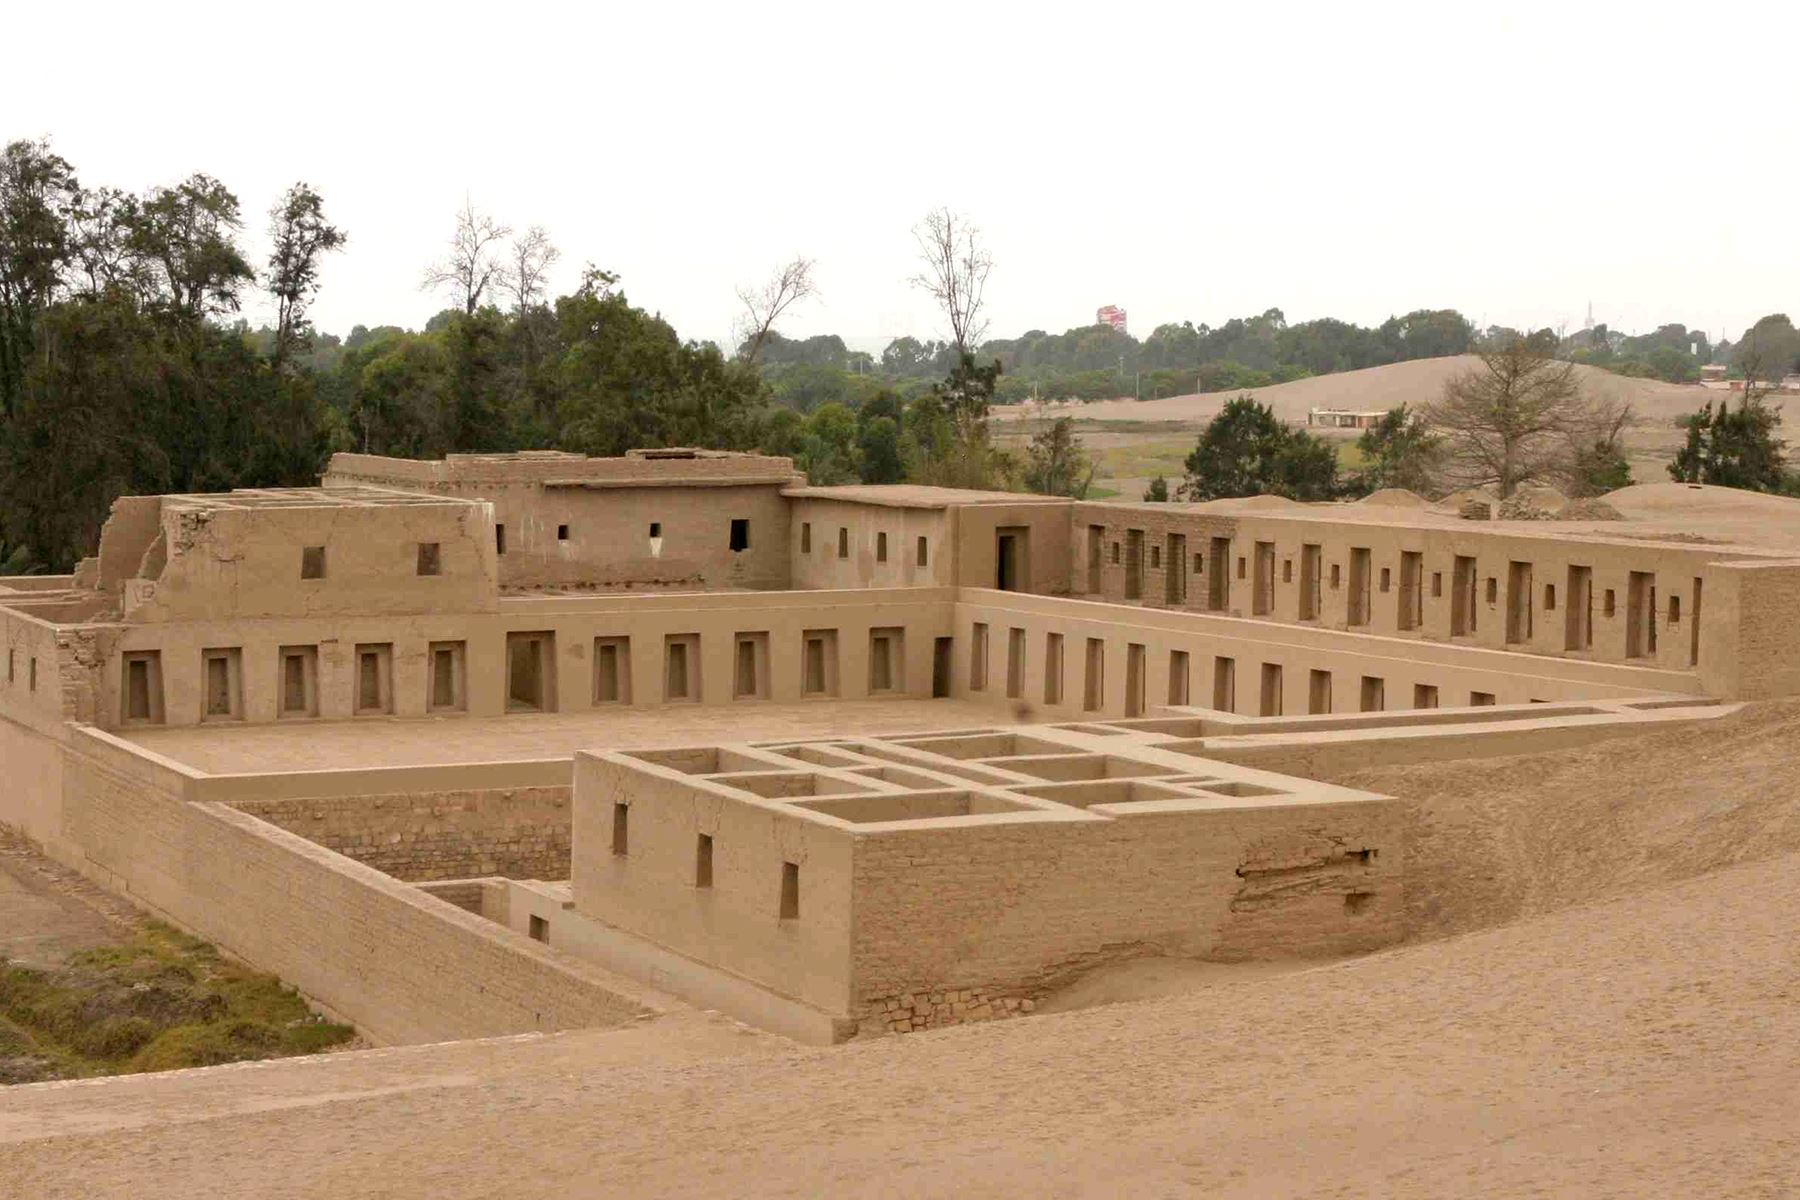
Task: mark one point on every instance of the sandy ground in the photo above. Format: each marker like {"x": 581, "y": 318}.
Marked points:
{"x": 366, "y": 742}
{"x": 47, "y": 912}
{"x": 1602, "y": 998}
{"x": 1412, "y": 382}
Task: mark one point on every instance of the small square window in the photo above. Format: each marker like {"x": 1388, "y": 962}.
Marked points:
{"x": 428, "y": 558}
{"x": 562, "y": 533}
{"x": 656, "y": 529}
{"x": 740, "y": 534}
{"x": 539, "y": 929}
{"x": 312, "y": 562}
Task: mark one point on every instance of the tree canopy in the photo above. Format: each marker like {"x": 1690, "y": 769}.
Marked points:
{"x": 1246, "y": 451}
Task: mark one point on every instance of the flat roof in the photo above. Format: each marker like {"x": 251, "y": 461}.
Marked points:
{"x": 915, "y": 495}
{"x": 1678, "y": 514}
{"x": 333, "y": 496}
{"x": 439, "y": 741}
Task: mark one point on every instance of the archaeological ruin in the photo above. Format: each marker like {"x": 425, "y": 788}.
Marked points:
{"x": 529, "y": 742}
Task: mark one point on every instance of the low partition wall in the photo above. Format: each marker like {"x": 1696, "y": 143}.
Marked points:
{"x": 402, "y": 965}
{"x": 1073, "y": 658}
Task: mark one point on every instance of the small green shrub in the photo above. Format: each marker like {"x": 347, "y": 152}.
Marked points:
{"x": 160, "y": 1001}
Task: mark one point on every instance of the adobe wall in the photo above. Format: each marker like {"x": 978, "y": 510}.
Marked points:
{"x": 608, "y": 546}
{"x": 246, "y": 562}
{"x": 1044, "y": 524}
{"x": 1750, "y": 648}
{"x": 733, "y": 925}
{"x": 1457, "y": 673}
{"x": 1544, "y": 626}
{"x": 1015, "y": 910}
{"x": 814, "y": 525}
{"x": 642, "y": 625}
{"x": 46, "y": 673}
{"x": 516, "y": 832}
{"x": 402, "y": 965}
{"x": 606, "y": 507}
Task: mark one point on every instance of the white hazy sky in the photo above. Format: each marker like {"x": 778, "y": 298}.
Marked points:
{"x": 1188, "y": 161}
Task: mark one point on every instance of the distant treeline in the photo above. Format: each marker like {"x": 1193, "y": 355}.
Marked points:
{"x": 1098, "y": 362}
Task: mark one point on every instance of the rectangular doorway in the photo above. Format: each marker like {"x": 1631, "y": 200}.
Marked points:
{"x": 1012, "y": 558}
{"x": 1175, "y": 570}
{"x": 1218, "y": 579}
{"x": 1518, "y": 603}
{"x": 941, "y": 651}
{"x": 1462, "y": 597}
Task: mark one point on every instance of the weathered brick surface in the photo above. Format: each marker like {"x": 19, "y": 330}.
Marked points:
{"x": 1013, "y": 911}
{"x": 521, "y": 833}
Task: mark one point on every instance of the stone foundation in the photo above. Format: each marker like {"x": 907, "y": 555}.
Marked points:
{"x": 912, "y": 1011}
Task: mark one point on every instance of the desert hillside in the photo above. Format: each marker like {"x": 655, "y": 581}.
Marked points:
{"x": 1413, "y": 383}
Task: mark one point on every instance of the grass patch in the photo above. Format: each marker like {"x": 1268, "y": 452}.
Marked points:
{"x": 160, "y": 1001}
{"x": 1096, "y": 492}
{"x": 1144, "y": 460}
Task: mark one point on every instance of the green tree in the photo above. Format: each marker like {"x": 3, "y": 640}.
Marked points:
{"x": 1739, "y": 448}
{"x": 878, "y": 449}
{"x": 1399, "y": 451}
{"x": 1057, "y": 464}
{"x": 187, "y": 235}
{"x": 1158, "y": 491}
{"x": 828, "y": 446}
{"x": 301, "y": 236}
{"x": 1246, "y": 451}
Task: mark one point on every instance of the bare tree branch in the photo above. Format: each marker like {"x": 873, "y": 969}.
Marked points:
{"x": 473, "y": 264}
{"x": 956, "y": 271}
{"x": 528, "y": 265}
{"x": 1516, "y": 416}
{"x": 788, "y": 286}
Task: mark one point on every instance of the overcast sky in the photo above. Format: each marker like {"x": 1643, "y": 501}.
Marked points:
{"x": 1188, "y": 161}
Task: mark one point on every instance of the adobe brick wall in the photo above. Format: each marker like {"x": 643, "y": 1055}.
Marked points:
{"x": 1013, "y": 911}
{"x": 404, "y": 966}
{"x": 520, "y": 833}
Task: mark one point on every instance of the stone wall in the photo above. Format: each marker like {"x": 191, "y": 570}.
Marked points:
{"x": 403, "y": 966}
{"x": 1011, "y": 911}
{"x": 520, "y": 833}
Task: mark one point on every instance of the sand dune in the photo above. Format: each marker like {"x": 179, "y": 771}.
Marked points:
{"x": 1413, "y": 383}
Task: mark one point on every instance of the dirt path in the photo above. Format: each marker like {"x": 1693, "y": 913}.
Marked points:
{"x": 48, "y": 912}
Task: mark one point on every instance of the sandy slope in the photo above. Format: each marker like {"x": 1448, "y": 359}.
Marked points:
{"x": 1413, "y": 383}
{"x": 1645, "y": 1045}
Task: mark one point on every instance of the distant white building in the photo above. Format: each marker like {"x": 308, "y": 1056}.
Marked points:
{"x": 1343, "y": 418}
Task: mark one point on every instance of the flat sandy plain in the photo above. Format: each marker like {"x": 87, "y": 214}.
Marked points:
{"x": 1600, "y": 996}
